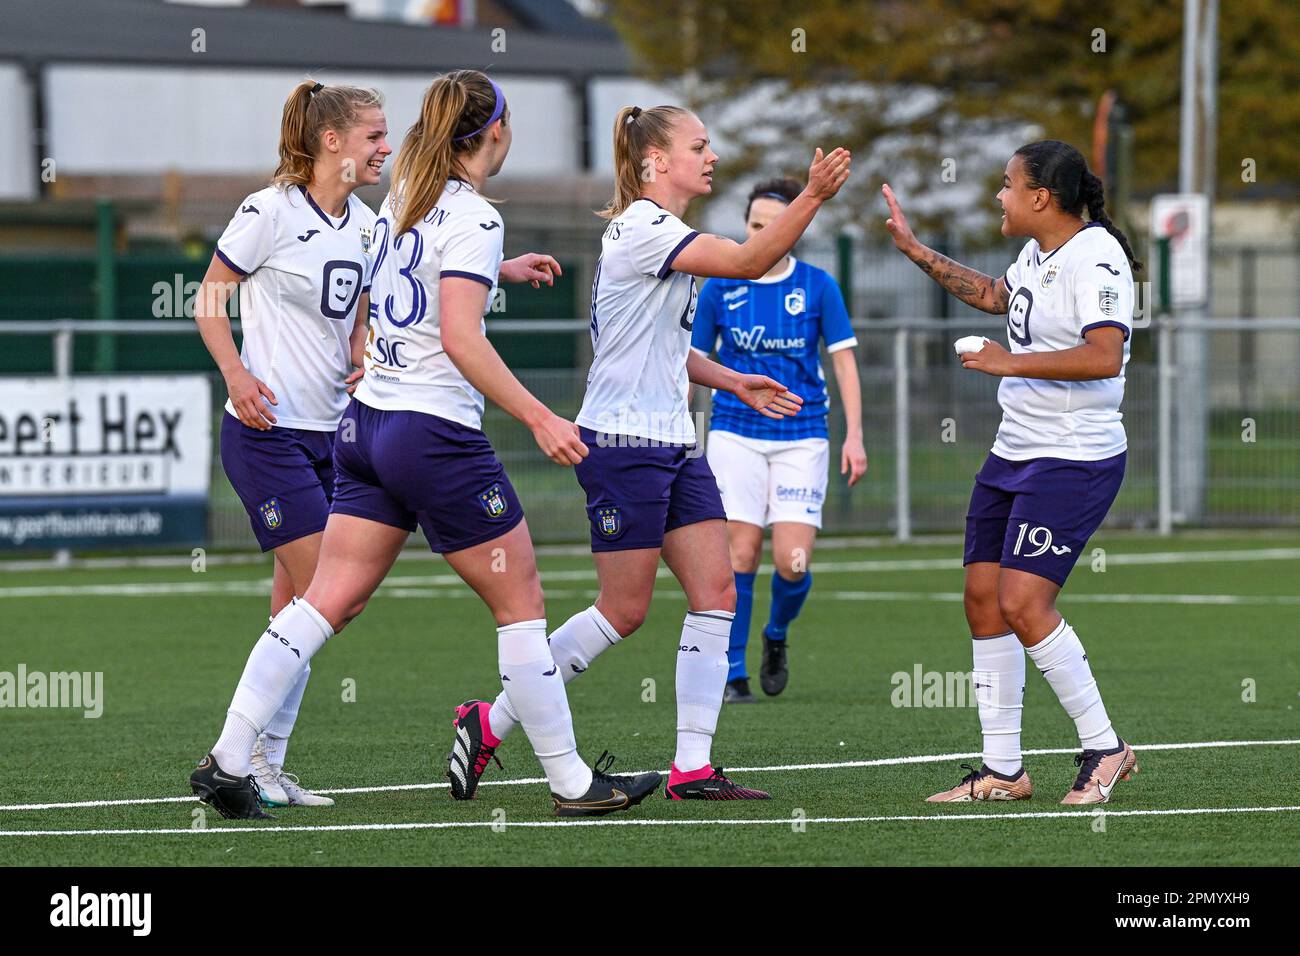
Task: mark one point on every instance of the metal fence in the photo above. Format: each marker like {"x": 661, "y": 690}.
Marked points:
{"x": 928, "y": 425}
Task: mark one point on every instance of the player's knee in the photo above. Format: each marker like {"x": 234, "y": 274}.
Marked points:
{"x": 745, "y": 558}
{"x": 625, "y": 619}
{"x": 723, "y": 597}
{"x": 980, "y": 604}
{"x": 1020, "y": 611}
{"x": 350, "y": 613}
{"x": 791, "y": 570}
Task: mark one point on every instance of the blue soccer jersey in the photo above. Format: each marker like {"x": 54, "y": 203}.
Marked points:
{"x": 773, "y": 326}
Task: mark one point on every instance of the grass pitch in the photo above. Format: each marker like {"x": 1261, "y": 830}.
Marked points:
{"x": 1191, "y": 644}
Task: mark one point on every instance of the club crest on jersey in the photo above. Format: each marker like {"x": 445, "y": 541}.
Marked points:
{"x": 795, "y": 302}
{"x": 1050, "y": 275}
{"x": 609, "y": 521}
{"x": 1108, "y": 299}
{"x": 493, "y": 501}
{"x": 366, "y": 236}
{"x": 271, "y": 514}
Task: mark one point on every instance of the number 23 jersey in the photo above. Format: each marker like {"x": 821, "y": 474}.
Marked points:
{"x": 1055, "y": 300}
{"x": 303, "y": 274}
{"x": 407, "y": 368}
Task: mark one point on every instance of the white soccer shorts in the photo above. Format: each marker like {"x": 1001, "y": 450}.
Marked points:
{"x": 764, "y": 481}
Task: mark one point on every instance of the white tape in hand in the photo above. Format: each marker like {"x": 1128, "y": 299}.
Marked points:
{"x": 969, "y": 343}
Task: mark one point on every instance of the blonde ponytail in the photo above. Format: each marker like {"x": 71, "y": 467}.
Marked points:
{"x": 311, "y": 109}
{"x": 457, "y": 110}
{"x": 636, "y": 132}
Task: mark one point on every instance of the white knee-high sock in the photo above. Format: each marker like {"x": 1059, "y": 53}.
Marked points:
{"x": 574, "y": 645}
{"x": 273, "y": 668}
{"x": 531, "y": 678}
{"x": 999, "y": 678}
{"x": 281, "y": 725}
{"x": 1063, "y": 662}
{"x": 701, "y": 679}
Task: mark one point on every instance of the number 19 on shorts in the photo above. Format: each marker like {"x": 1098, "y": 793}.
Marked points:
{"x": 1039, "y": 538}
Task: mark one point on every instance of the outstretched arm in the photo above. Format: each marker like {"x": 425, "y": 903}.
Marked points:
{"x": 971, "y": 286}
{"x": 766, "y": 396}
{"x": 708, "y": 255}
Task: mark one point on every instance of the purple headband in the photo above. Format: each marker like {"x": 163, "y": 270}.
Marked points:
{"x": 496, "y": 114}
{"x": 773, "y": 196}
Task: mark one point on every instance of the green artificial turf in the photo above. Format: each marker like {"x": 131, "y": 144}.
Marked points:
{"x": 171, "y": 654}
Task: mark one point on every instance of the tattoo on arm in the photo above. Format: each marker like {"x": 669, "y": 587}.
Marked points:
{"x": 972, "y": 287}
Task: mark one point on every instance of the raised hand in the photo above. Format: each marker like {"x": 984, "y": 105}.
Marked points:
{"x": 897, "y": 225}
{"x": 828, "y": 173}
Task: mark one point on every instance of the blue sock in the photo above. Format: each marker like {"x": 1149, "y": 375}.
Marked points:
{"x": 787, "y": 600}
{"x": 740, "y": 627}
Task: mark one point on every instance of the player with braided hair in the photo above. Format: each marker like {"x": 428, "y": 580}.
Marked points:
{"x": 1058, "y": 460}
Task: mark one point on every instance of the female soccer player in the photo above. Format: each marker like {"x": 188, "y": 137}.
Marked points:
{"x": 299, "y": 247}
{"x": 648, "y": 490}
{"x": 410, "y": 452}
{"x": 773, "y": 471}
{"x": 1057, "y": 462}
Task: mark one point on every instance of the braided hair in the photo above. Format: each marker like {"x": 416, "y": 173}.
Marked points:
{"x": 1061, "y": 170}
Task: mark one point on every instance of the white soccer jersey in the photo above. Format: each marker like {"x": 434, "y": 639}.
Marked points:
{"x": 1055, "y": 300}
{"x": 406, "y": 367}
{"x": 642, "y": 313}
{"x": 303, "y": 274}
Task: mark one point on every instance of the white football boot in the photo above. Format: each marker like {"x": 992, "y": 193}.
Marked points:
{"x": 278, "y": 788}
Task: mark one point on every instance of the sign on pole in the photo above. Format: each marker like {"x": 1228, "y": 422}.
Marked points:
{"x": 1183, "y": 218}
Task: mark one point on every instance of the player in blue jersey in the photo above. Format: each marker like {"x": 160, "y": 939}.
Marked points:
{"x": 298, "y": 250}
{"x": 774, "y": 471}
{"x": 1056, "y": 464}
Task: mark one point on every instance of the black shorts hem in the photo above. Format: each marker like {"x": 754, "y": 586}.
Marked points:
{"x": 343, "y": 509}
{"x": 490, "y": 535}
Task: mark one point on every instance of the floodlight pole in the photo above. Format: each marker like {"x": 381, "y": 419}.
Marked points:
{"x": 1196, "y": 174}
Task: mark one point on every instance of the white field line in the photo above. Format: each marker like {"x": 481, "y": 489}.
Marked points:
{"x": 396, "y": 588}
{"x": 957, "y": 597}
{"x": 640, "y": 822}
{"x": 835, "y": 765}
{"x": 398, "y": 582}
{"x": 417, "y": 551}
{"x": 949, "y": 597}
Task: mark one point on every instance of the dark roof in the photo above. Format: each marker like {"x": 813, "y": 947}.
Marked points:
{"x": 557, "y": 16}
{"x": 146, "y": 32}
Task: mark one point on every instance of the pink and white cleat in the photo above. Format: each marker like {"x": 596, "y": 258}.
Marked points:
{"x": 707, "y": 784}
{"x": 1099, "y": 771}
{"x": 474, "y": 746}
{"x": 986, "y": 784}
